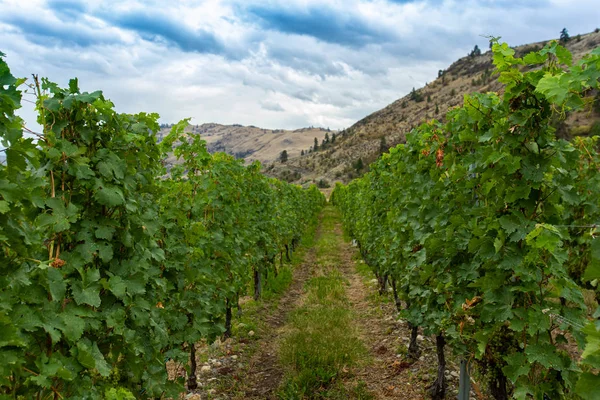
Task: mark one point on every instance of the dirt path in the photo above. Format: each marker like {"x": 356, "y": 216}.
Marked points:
{"x": 264, "y": 374}
{"x": 248, "y": 365}
{"x": 387, "y": 374}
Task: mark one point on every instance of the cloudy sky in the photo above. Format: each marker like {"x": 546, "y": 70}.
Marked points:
{"x": 273, "y": 64}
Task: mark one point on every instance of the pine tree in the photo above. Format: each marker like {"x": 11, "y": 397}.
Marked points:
{"x": 283, "y": 157}
{"x": 301, "y": 152}
{"x": 475, "y": 52}
{"x": 326, "y": 140}
{"x": 333, "y": 138}
{"x": 564, "y": 36}
{"x": 382, "y": 145}
{"x": 316, "y": 145}
{"x": 416, "y": 96}
{"x": 358, "y": 165}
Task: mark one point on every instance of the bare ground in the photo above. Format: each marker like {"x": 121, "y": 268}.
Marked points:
{"x": 387, "y": 374}
{"x": 264, "y": 374}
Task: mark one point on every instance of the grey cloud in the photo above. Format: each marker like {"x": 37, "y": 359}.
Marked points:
{"x": 271, "y": 106}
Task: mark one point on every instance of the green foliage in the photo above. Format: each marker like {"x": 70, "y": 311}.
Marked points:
{"x": 109, "y": 266}
{"x": 484, "y": 222}
{"x": 118, "y": 394}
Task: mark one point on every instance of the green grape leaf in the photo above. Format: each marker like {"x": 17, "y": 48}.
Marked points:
{"x": 74, "y": 326}
{"x": 88, "y": 295}
{"x": 554, "y": 87}
{"x": 105, "y": 232}
{"x": 110, "y": 196}
{"x": 544, "y": 354}
{"x": 117, "y": 286}
{"x": 56, "y": 284}
{"x": 4, "y": 207}
{"x": 587, "y": 386}
{"x": 516, "y": 366}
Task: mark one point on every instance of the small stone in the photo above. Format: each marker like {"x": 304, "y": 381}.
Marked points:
{"x": 218, "y": 364}
{"x": 420, "y": 338}
{"x": 205, "y": 368}
{"x": 251, "y": 333}
{"x": 234, "y": 357}
{"x": 193, "y": 396}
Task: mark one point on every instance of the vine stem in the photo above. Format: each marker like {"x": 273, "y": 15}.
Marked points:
{"x": 30, "y": 371}
{"x": 52, "y": 183}
{"x": 56, "y": 393}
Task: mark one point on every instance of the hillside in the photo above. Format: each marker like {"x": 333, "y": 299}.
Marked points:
{"x": 252, "y": 143}
{"x": 366, "y": 139}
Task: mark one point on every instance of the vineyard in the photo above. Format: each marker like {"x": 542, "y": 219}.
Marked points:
{"x": 485, "y": 227}
{"x": 110, "y": 265}
{"x": 115, "y": 264}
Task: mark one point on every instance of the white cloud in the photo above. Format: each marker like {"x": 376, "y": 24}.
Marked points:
{"x": 254, "y": 62}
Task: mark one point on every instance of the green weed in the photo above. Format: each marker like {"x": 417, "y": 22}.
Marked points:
{"x": 323, "y": 341}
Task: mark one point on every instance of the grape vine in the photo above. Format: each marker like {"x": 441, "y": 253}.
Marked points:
{"x": 109, "y": 265}
{"x": 485, "y": 225}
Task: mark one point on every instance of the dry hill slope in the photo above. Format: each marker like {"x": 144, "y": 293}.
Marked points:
{"x": 252, "y": 143}
{"x": 363, "y": 140}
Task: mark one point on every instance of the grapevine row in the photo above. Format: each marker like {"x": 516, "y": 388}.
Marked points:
{"x": 485, "y": 226}
{"x": 110, "y": 265}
